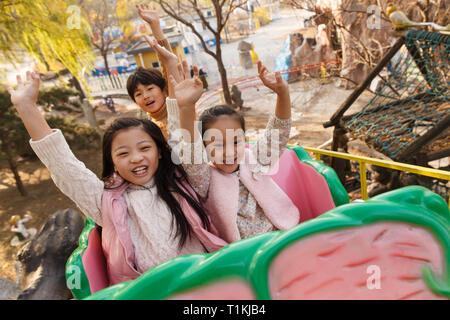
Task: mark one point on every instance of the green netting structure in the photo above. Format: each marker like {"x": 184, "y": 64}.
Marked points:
{"x": 410, "y": 111}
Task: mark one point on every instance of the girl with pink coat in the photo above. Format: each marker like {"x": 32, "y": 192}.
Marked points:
{"x": 146, "y": 207}
{"x": 242, "y": 200}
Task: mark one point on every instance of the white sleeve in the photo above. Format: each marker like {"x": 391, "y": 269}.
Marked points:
{"x": 70, "y": 175}
{"x": 173, "y": 122}
{"x": 192, "y": 156}
{"x": 271, "y": 144}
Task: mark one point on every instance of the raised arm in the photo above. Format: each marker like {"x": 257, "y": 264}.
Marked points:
{"x": 187, "y": 92}
{"x": 277, "y": 84}
{"x": 168, "y": 59}
{"x": 276, "y": 135}
{"x": 69, "y": 174}
{"x": 24, "y": 98}
{"x": 190, "y": 147}
{"x": 179, "y": 73}
{"x": 151, "y": 16}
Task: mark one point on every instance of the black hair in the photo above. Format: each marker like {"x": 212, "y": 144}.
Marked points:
{"x": 210, "y": 116}
{"x": 145, "y": 77}
{"x": 169, "y": 177}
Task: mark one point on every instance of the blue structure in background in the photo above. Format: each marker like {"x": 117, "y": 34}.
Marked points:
{"x": 283, "y": 61}
{"x": 210, "y": 43}
{"x": 99, "y": 71}
{"x": 122, "y": 64}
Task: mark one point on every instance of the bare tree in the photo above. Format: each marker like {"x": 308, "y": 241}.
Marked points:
{"x": 187, "y": 10}
{"x": 362, "y": 48}
{"x": 101, "y": 16}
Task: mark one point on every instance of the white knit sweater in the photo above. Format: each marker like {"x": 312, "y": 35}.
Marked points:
{"x": 149, "y": 218}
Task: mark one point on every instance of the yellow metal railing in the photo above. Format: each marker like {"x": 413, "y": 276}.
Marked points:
{"x": 429, "y": 172}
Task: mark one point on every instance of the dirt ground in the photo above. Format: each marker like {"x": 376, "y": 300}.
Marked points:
{"x": 313, "y": 104}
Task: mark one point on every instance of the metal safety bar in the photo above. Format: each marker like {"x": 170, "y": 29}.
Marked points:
{"x": 429, "y": 172}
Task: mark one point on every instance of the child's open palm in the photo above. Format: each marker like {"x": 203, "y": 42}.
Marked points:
{"x": 272, "y": 80}
{"x": 187, "y": 91}
{"x": 25, "y": 93}
{"x": 148, "y": 15}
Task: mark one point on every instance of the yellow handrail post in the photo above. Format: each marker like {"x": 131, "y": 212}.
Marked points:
{"x": 427, "y": 172}
{"x": 362, "y": 174}
{"x": 317, "y": 156}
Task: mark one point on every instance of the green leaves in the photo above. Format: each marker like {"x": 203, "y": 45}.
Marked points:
{"x": 44, "y": 32}
{"x": 13, "y": 136}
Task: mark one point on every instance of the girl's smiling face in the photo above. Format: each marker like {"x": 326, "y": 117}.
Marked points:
{"x": 149, "y": 98}
{"x": 225, "y": 143}
{"x": 135, "y": 155}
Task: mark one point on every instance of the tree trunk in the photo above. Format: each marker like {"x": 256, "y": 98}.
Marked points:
{"x": 223, "y": 72}
{"x": 79, "y": 88}
{"x": 89, "y": 113}
{"x": 105, "y": 60}
{"x": 19, "y": 184}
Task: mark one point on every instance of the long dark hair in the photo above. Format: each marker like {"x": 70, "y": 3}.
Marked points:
{"x": 169, "y": 177}
{"x": 210, "y": 116}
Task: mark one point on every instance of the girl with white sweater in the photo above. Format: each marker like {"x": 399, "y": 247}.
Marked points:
{"x": 146, "y": 207}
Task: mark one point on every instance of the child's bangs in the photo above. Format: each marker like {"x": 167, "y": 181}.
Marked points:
{"x": 145, "y": 77}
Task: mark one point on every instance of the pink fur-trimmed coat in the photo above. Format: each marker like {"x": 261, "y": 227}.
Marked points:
{"x": 223, "y": 199}
{"x": 116, "y": 241}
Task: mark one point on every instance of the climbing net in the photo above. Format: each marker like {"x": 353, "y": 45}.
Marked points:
{"x": 411, "y": 100}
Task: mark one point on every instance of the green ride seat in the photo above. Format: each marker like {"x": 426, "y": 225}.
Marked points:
{"x": 86, "y": 268}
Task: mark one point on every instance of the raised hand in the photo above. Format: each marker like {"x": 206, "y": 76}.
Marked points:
{"x": 24, "y": 98}
{"x": 272, "y": 80}
{"x": 189, "y": 90}
{"x": 148, "y": 15}
{"x": 26, "y": 94}
{"x": 165, "y": 55}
